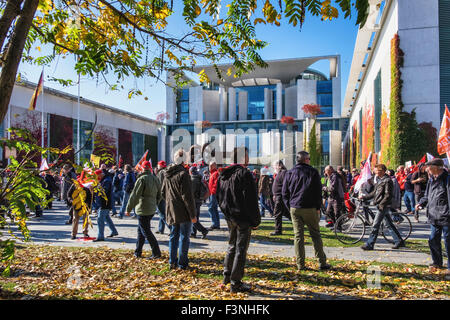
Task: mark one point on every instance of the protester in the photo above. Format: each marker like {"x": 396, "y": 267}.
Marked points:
{"x": 280, "y": 209}
{"x": 256, "y": 176}
{"x": 264, "y": 192}
{"x": 128, "y": 185}
{"x": 50, "y": 185}
{"x": 238, "y": 200}
{"x": 436, "y": 200}
{"x": 397, "y": 194}
{"x": 335, "y": 191}
{"x": 67, "y": 181}
{"x": 302, "y": 196}
{"x": 382, "y": 196}
{"x": 201, "y": 192}
{"x": 400, "y": 175}
{"x": 104, "y": 206}
{"x": 340, "y": 171}
{"x": 213, "y": 206}
{"x": 145, "y": 196}
{"x": 180, "y": 211}
{"x": 161, "y": 207}
{"x": 419, "y": 180}
{"x": 117, "y": 187}
{"x": 408, "y": 198}
{"x": 76, "y": 213}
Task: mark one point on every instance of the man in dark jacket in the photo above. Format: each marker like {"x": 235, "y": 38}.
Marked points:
{"x": 238, "y": 200}
{"x": 437, "y": 202}
{"x": 105, "y": 206}
{"x": 419, "y": 179}
{"x": 180, "y": 211}
{"x": 280, "y": 209}
{"x": 335, "y": 191}
{"x": 161, "y": 207}
{"x": 128, "y": 185}
{"x": 200, "y": 189}
{"x": 302, "y": 194}
{"x": 382, "y": 196}
{"x": 67, "y": 180}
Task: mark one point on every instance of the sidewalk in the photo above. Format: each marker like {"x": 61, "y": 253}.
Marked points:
{"x": 51, "y": 229}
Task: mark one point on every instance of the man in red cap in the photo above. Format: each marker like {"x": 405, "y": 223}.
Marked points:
{"x": 161, "y": 207}
{"x": 145, "y": 196}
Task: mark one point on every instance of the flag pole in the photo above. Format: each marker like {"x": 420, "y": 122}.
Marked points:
{"x": 42, "y": 111}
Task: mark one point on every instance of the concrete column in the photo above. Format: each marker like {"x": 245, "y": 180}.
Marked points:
{"x": 299, "y": 142}
{"x": 335, "y": 148}
{"x": 288, "y": 148}
{"x": 222, "y": 104}
{"x": 268, "y": 103}
{"x": 231, "y": 104}
{"x": 230, "y": 144}
{"x": 336, "y": 85}
{"x": 243, "y": 105}
{"x": 195, "y": 104}
{"x": 291, "y": 101}
{"x": 171, "y": 105}
{"x": 279, "y": 100}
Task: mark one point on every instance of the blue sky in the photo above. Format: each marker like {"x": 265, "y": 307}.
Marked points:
{"x": 316, "y": 38}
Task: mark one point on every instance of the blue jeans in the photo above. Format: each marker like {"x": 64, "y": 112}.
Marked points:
{"x": 379, "y": 217}
{"x": 125, "y": 198}
{"x": 410, "y": 201}
{"x": 435, "y": 244}
{"x": 103, "y": 216}
{"x": 214, "y": 212}
{"x": 264, "y": 206}
{"x": 161, "y": 210}
{"x": 180, "y": 232}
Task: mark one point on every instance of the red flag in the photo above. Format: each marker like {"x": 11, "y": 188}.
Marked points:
{"x": 37, "y": 92}
{"x": 120, "y": 162}
{"x": 416, "y": 167}
{"x": 443, "y": 145}
{"x": 139, "y": 164}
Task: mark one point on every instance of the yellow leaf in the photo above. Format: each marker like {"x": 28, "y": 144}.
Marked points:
{"x": 198, "y": 10}
{"x": 259, "y": 20}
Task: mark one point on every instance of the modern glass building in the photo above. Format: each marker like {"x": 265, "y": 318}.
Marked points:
{"x": 258, "y": 101}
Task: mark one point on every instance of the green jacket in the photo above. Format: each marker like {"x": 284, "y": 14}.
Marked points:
{"x": 146, "y": 195}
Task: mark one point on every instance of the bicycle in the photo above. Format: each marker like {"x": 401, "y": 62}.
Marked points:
{"x": 350, "y": 228}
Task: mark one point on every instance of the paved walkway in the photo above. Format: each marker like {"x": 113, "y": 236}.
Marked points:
{"x": 51, "y": 229}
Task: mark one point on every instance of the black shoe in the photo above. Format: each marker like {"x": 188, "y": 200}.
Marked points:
{"x": 113, "y": 235}
{"x": 194, "y": 236}
{"x": 303, "y": 268}
{"x": 242, "y": 287}
{"x": 366, "y": 247}
{"x": 213, "y": 228}
{"x": 154, "y": 256}
{"x": 226, "y": 281}
{"x": 73, "y": 238}
{"x": 400, "y": 244}
{"x": 183, "y": 267}
{"x": 204, "y": 234}
{"x": 436, "y": 266}
{"x": 325, "y": 266}
{"x": 86, "y": 235}
{"x": 275, "y": 233}
{"x": 172, "y": 266}
{"x": 137, "y": 256}
{"x": 97, "y": 240}
{"x": 330, "y": 225}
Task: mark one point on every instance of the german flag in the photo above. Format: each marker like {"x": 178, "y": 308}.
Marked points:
{"x": 37, "y": 92}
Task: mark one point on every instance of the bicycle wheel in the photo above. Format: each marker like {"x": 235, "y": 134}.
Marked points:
{"x": 349, "y": 229}
{"x": 403, "y": 225}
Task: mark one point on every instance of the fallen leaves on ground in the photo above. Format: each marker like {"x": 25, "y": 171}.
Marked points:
{"x": 48, "y": 272}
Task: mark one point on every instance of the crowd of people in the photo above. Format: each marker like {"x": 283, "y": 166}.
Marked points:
{"x": 176, "y": 192}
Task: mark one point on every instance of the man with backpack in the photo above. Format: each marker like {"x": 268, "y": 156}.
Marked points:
{"x": 238, "y": 199}
{"x": 201, "y": 192}
{"x": 436, "y": 200}
{"x": 128, "y": 185}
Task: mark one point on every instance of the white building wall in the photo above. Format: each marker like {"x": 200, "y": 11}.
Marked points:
{"x": 290, "y": 100}
{"x": 211, "y": 99}
{"x": 196, "y": 104}
{"x": 306, "y": 94}
{"x": 335, "y": 148}
{"x": 243, "y": 105}
{"x": 231, "y": 104}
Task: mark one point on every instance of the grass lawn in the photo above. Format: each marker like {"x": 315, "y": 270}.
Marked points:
{"x": 49, "y": 272}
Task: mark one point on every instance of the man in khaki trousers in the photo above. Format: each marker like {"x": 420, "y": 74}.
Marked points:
{"x": 302, "y": 194}
{"x": 76, "y": 216}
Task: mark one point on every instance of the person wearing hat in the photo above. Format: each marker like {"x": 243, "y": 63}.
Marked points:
{"x": 145, "y": 196}
{"x": 161, "y": 207}
{"x": 436, "y": 200}
{"x": 200, "y": 193}
{"x": 264, "y": 192}
{"x": 419, "y": 179}
{"x": 105, "y": 206}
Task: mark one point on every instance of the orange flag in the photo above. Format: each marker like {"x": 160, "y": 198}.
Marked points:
{"x": 37, "y": 92}
{"x": 443, "y": 145}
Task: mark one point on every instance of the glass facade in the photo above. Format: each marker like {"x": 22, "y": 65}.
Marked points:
{"x": 325, "y": 97}
{"x": 378, "y": 109}
{"x": 183, "y": 106}
{"x": 85, "y": 131}
{"x": 255, "y": 101}
{"x": 137, "y": 146}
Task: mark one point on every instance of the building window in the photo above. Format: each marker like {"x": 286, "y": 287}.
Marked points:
{"x": 325, "y": 97}
{"x": 378, "y": 109}
{"x": 85, "y": 133}
{"x": 137, "y": 146}
{"x": 255, "y": 102}
{"x": 183, "y": 106}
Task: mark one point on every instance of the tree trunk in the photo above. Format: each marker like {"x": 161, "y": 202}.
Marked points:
{"x": 14, "y": 55}
{"x": 12, "y": 10}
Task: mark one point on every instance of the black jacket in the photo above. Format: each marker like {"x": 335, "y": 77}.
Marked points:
{"x": 107, "y": 186}
{"x": 302, "y": 188}
{"x": 383, "y": 193}
{"x": 277, "y": 186}
{"x": 237, "y": 196}
{"x": 437, "y": 200}
{"x": 336, "y": 189}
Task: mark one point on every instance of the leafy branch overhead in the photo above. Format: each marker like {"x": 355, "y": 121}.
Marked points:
{"x": 120, "y": 39}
